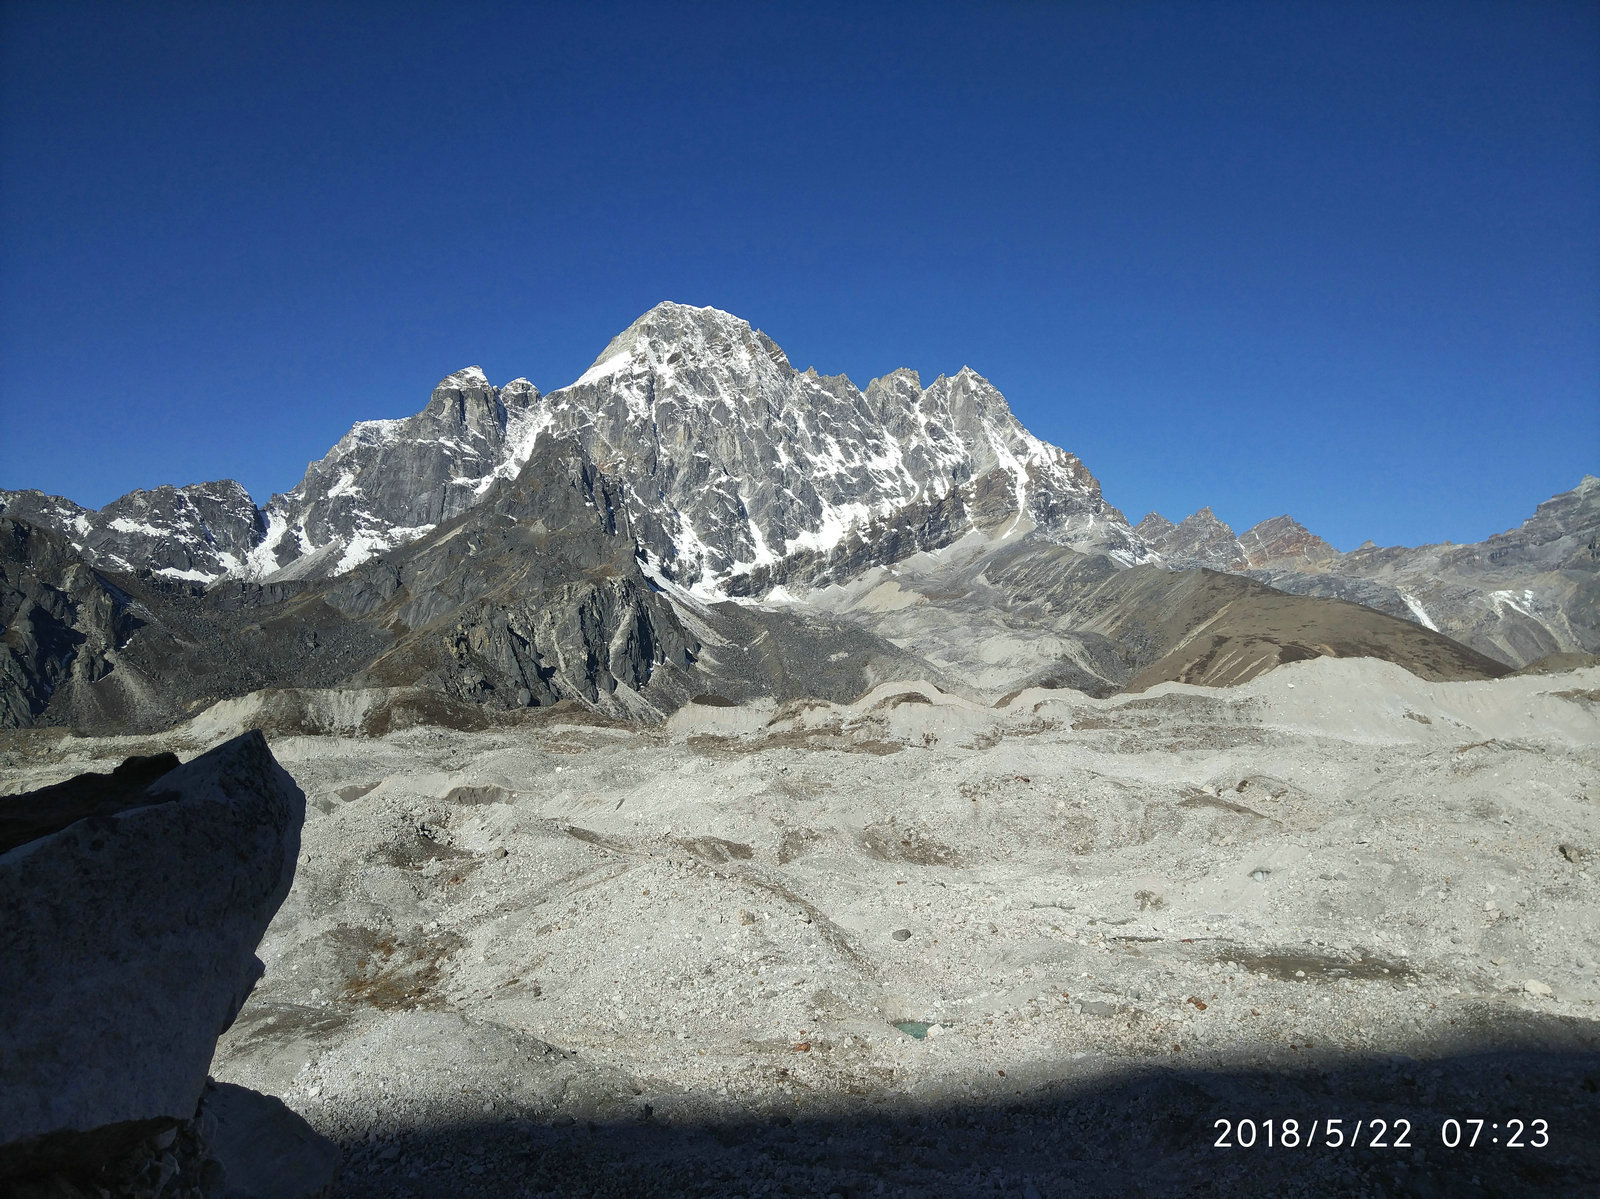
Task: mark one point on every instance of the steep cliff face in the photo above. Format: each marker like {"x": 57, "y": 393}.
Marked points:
{"x": 508, "y": 549}
{"x": 60, "y": 621}
{"x": 388, "y": 482}
{"x": 743, "y": 471}
{"x": 740, "y": 471}
{"x": 534, "y": 596}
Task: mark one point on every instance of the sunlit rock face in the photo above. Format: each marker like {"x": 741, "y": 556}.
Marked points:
{"x": 388, "y": 482}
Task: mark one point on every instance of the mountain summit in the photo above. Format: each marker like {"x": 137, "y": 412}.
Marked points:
{"x": 738, "y": 472}
{"x": 743, "y": 472}
{"x": 729, "y": 474}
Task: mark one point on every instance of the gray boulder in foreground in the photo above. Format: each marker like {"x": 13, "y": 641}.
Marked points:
{"x": 128, "y": 946}
{"x": 265, "y": 1150}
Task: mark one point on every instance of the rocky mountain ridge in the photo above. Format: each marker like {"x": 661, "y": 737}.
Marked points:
{"x": 740, "y": 470}
{"x": 508, "y": 549}
{"x": 1517, "y": 596}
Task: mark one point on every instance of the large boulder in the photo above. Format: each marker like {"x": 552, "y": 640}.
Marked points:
{"x": 128, "y": 941}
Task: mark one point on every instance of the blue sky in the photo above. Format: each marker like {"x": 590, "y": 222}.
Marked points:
{"x": 1337, "y": 260}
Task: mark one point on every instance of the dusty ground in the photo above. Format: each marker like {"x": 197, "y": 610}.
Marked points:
{"x": 575, "y": 958}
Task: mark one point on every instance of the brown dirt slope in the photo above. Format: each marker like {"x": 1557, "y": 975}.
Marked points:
{"x": 1227, "y": 630}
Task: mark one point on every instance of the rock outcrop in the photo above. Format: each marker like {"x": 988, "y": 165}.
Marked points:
{"x": 740, "y": 471}
{"x": 1198, "y": 540}
{"x": 389, "y": 482}
{"x": 133, "y": 910}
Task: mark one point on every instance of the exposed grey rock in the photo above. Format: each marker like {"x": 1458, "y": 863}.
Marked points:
{"x": 388, "y": 482}
{"x": 196, "y": 533}
{"x": 537, "y": 591}
{"x": 510, "y": 550}
{"x": 60, "y": 621}
{"x": 1199, "y": 540}
{"x": 90, "y": 647}
{"x": 738, "y": 464}
{"x": 1283, "y": 541}
{"x": 998, "y": 615}
{"x": 1153, "y": 528}
{"x": 129, "y": 944}
{"x": 265, "y": 1150}
{"x": 740, "y": 472}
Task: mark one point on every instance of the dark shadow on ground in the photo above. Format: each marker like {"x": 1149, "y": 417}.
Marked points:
{"x": 1136, "y": 1134}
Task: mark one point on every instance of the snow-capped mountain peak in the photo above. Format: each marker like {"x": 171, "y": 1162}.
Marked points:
{"x": 739, "y": 471}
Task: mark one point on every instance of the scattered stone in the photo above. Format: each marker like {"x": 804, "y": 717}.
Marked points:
{"x": 901, "y": 934}
{"x": 1534, "y": 987}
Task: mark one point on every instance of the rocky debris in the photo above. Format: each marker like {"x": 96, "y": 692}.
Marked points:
{"x": 440, "y": 1011}
{"x": 134, "y": 903}
{"x": 175, "y": 1163}
{"x": 1006, "y": 614}
{"x": 240, "y": 1144}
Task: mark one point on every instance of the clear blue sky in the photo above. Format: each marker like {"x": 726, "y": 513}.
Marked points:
{"x": 1337, "y": 260}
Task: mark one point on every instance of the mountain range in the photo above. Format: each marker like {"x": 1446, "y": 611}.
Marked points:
{"x": 695, "y": 516}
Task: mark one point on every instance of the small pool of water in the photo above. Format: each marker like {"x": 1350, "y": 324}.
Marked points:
{"x": 914, "y": 1028}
